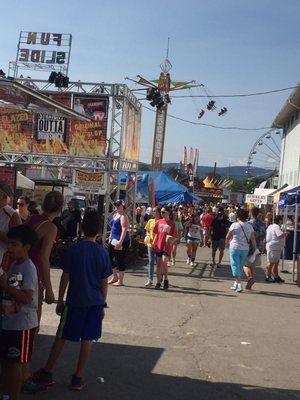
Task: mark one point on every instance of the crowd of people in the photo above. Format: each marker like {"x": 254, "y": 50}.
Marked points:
{"x": 27, "y": 238}
{"x": 247, "y": 235}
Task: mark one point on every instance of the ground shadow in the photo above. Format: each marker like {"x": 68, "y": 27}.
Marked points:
{"x": 126, "y": 372}
{"x": 184, "y": 290}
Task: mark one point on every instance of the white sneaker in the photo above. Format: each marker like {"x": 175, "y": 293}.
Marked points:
{"x": 239, "y": 288}
{"x": 188, "y": 261}
{"x": 234, "y": 286}
{"x": 192, "y": 264}
{"x": 173, "y": 263}
{"x": 149, "y": 283}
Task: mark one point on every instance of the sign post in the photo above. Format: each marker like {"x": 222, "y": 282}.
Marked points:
{"x": 259, "y": 200}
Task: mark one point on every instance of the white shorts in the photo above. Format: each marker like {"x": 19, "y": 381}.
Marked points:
{"x": 273, "y": 256}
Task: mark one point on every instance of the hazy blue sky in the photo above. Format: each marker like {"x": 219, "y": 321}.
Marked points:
{"x": 232, "y": 46}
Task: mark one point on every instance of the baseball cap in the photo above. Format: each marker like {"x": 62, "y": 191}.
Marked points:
{"x": 6, "y": 189}
{"x": 120, "y": 202}
{"x": 149, "y": 210}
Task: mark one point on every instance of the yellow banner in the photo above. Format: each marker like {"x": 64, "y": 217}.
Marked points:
{"x": 89, "y": 178}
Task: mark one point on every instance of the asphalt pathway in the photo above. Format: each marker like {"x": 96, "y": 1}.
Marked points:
{"x": 198, "y": 340}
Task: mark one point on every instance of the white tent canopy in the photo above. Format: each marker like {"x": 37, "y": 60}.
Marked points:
{"x": 24, "y": 183}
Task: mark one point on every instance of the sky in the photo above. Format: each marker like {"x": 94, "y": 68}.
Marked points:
{"x": 231, "y": 46}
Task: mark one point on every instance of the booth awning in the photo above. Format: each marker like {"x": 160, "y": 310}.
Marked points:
{"x": 289, "y": 197}
{"x": 277, "y": 192}
{"x": 24, "y": 183}
{"x": 15, "y": 95}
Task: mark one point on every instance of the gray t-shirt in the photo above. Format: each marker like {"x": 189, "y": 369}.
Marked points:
{"x": 18, "y": 317}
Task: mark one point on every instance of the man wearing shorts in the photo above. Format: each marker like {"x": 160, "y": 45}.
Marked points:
{"x": 218, "y": 231}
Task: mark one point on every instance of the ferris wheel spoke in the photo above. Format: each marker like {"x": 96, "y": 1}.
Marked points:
{"x": 275, "y": 144}
{"x": 270, "y": 148}
{"x": 270, "y": 156}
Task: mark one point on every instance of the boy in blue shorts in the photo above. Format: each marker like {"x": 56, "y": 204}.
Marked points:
{"x": 19, "y": 311}
{"x": 86, "y": 267}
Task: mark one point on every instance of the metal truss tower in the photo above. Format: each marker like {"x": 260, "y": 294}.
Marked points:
{"x": 113, "y": 164}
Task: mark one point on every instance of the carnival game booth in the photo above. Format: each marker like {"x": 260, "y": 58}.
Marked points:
{"x": 289, "y": 205}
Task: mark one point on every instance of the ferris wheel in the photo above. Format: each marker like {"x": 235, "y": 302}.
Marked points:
{"x": 265, "y": 153}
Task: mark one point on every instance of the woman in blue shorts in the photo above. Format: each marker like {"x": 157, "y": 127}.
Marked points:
{"x": 238, "y": 239}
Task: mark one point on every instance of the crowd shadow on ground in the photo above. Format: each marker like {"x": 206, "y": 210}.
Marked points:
{"x": 126, "y": 372}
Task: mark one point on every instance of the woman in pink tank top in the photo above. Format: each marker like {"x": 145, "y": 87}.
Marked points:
{"x": 46, "y": 231}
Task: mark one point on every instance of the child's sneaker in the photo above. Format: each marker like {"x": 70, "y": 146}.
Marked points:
{"x": 233, "y": 286}
{"x": 173, "y": 263}
{"x": 30, "y": 386}
{"x": 77, "y": 383}
{"x": 239, "y": 288}
{"x": 149, "y": 283}
{"x": 43, "y": 377}
{"x": 188, "y": 261}
{"x": 158, "y": 285}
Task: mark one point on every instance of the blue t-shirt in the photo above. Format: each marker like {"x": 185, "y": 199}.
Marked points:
{"x": 87, "y": 263}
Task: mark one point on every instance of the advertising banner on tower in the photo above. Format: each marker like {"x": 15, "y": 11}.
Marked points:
{"x": 50, "y": 131}
{"x": 132, "y": 133}
{"x": 88, "y": 139}
{"x": 15, "y": 130}
{"x": 23, "y": 132}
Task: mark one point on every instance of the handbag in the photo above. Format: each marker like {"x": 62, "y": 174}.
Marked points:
{"x": 170, "y": 239}
{"x": 251, "y": 248}
{"x": 147, "y": 240}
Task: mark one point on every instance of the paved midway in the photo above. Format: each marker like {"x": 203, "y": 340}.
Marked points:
{"x": 197, "y": 341}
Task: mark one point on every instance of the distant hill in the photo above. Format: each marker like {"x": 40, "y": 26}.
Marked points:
{"x": 235, "y": 172}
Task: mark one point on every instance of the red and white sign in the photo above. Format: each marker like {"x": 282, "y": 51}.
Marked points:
{"x": 259, "y": 200}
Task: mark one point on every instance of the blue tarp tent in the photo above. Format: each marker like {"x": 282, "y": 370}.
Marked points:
{"x": 167, "y": 190}
{"x": 290, "y": 197}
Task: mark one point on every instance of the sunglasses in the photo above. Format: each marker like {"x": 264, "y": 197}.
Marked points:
{"x": 20, "y": 204}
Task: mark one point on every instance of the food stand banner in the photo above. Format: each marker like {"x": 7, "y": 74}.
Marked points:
{"x": 50, "y": 134}
{"x": 50, "y": 131}
{"x": 15, "y": 130}
{"x": 132, "y": 133}
{"x": 89, "y": 178}
{"x": 90, "y": 181}
{"x": 89, "y": 138}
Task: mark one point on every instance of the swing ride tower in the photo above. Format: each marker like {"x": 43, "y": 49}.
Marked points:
{"x": 158, "y": 93}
